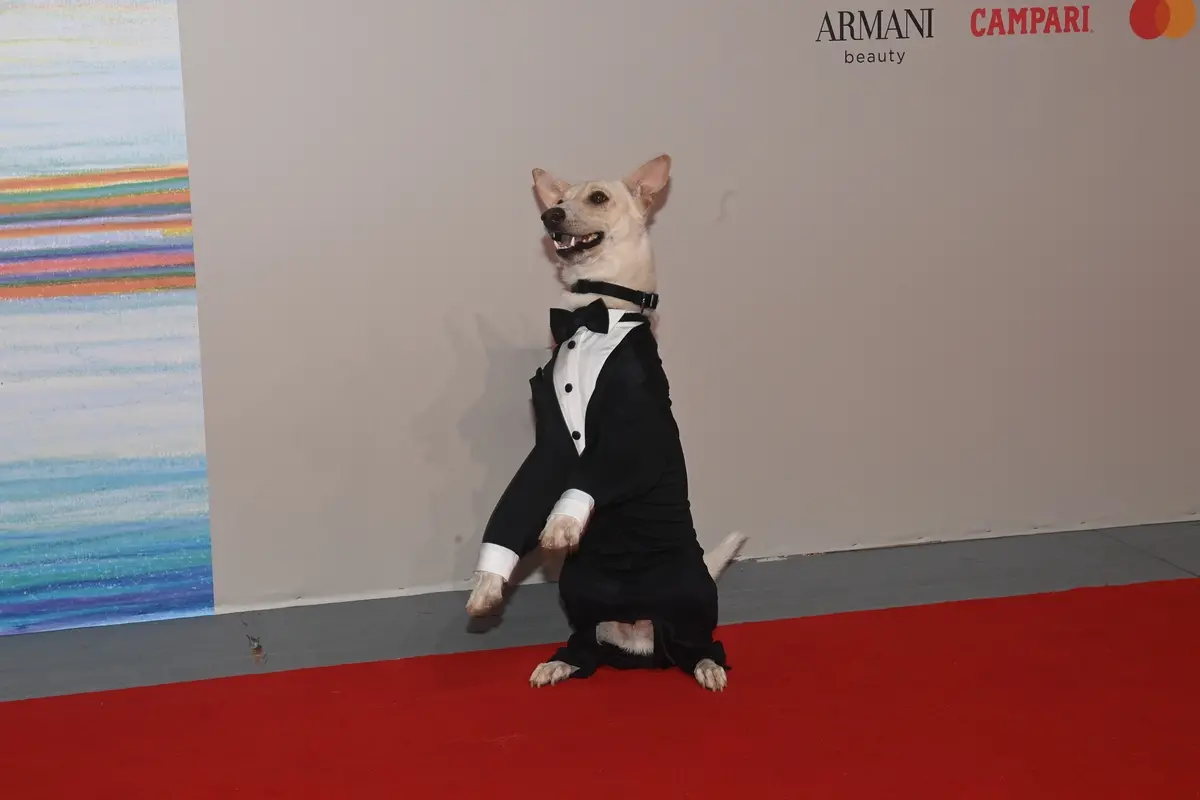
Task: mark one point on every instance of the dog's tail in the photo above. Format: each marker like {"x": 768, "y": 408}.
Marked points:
{"x": 719, "y": 557}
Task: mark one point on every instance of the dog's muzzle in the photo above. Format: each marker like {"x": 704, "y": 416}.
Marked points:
{"x": 567, "y": 244}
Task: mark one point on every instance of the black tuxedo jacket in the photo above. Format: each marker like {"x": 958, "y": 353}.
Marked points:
{"x": 632, "y": 466}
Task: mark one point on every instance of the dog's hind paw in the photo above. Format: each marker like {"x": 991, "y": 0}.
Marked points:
{"x": 487, "y": 595}
{"x": 711, "y": 675}
{"x": 550, "y": 673}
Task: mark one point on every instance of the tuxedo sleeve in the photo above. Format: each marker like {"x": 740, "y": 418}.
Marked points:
{"x": 628, "y": 453}
{"x": 518, "y": 518}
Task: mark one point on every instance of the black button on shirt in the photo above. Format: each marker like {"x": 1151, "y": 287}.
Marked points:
{"x": 568, "y": 388}
{"x": 575, "y": 435}
{"x": 571, "y": 345}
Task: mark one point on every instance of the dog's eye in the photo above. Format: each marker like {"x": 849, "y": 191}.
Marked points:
{"x": 598, "y": 198}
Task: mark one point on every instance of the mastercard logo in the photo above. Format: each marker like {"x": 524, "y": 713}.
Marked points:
{"x": 1173, "y": 19}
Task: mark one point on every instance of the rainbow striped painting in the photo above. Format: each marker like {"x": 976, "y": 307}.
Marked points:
{"x": 103, "y": 476}
{"x": 101, "y": 232}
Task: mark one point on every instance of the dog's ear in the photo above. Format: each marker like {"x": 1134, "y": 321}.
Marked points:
{"x": 550, "y": 190}
{"x": 649, "y": 179}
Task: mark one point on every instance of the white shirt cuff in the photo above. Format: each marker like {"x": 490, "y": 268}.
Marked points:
{"x": 497, "y": 560}
{"x": 575, "y": 503}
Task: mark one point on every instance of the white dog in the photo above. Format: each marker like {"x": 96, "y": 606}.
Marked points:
{"x": 608, "y": 461}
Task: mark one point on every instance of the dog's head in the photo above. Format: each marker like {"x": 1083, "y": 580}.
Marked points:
{"x": 598, "y": 228}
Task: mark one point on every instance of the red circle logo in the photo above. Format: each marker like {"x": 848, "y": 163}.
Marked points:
{"x": 1151, "y": 19}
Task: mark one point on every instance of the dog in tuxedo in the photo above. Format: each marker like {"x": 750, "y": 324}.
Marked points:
{"x": 606, "y": 482}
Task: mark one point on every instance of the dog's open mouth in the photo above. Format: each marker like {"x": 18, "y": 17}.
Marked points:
{"x": 566, "y": 244}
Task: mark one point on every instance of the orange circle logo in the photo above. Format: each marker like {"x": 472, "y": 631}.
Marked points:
{"x": 1173, "y": 19}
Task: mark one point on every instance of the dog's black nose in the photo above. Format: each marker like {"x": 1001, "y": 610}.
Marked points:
{"x": 554, "y": 217}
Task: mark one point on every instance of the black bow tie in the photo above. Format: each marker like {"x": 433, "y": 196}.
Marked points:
{"x": 564, "y": 323}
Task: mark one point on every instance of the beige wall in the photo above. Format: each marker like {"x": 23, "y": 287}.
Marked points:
{"x": 949, "y": 298}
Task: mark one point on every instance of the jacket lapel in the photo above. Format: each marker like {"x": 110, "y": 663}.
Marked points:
{"x": 612, "y": 364}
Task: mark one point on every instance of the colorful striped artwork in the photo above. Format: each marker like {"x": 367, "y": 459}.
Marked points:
{"x": 103, "y": 475}
{"x": 102, "y": 232}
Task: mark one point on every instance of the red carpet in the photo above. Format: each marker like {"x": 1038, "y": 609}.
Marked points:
{"x": 1086, "y": 694}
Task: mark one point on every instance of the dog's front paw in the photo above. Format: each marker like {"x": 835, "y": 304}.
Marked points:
{"x": 487, "y": 595}
{"x": 562, "y": 532}
{"x": 711, "y": 675}
{"x": 550, "y": 673}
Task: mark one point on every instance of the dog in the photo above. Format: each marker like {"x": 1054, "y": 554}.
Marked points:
{"x": 599, "y": 234}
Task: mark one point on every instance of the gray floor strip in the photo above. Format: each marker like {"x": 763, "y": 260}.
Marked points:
{"x": 124, "y": 656}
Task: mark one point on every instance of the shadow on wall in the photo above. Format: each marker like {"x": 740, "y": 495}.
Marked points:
{"x": 497, "y": 432}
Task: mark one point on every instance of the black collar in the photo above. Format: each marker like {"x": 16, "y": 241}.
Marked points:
{"x": 645, "y": 300}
